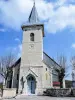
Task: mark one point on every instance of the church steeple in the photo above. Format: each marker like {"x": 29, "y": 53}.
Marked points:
{"x": 33, "y": 17}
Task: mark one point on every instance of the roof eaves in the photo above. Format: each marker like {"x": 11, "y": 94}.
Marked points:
{"x": 18, "y": 61}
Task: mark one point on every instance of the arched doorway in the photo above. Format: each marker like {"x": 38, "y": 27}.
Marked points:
{"x": 31, "y": 84}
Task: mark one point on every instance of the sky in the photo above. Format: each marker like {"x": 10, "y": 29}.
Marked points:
{"x": 58, "y": 17}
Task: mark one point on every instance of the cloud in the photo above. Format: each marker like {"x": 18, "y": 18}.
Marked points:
{"x": 63, "y": 17}
{"x": 20, "y": 50}
{"x": 16, "y": 50}
{"x": 20, "y": 47}
{"x": 2, "y": 30}
{"x": 15, "y": 12}
{"x": 73, "y": 45}
{"x": 56, "y": 16}
{"x": 17, "y": 40}
{"x": 60, "y": 2}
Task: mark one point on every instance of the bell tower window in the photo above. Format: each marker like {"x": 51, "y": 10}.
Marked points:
{"x": 32, "y": 37}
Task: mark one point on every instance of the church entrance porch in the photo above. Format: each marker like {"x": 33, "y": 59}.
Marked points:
{"x": 31, "y": 84}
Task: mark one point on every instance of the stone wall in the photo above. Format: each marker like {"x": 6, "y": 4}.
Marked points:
{"x": 64, "y": 92}
{"x": 1, "y": 92}
{"x": 73, "y": 91}
{"x": 9, "y": 93}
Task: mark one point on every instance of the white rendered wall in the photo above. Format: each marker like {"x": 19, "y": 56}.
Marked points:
{"x": 31, "y": 59}
{"x": 32, "y": 51}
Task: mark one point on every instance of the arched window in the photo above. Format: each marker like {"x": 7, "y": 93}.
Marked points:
{"x": 32, "y": 37}
{"x": 46, "y": 69}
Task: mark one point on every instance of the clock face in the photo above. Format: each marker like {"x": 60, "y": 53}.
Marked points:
{"x": 31, "y": 45}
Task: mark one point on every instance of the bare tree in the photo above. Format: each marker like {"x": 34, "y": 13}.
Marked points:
{"x": 5, "y": 64}
{"x": 62, "y": 61}
{"x": 73, "y": 70}
{"x": 73, "y": 62}
{"x": 62, "y": 72}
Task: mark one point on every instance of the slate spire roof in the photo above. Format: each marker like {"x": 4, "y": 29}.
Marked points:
{"x": 33, "y": 17}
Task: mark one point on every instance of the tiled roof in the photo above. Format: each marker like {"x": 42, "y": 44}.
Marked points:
{"x": 50, "y": 62}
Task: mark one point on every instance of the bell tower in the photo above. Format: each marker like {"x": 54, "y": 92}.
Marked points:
{"x": 32, "y": 55}
{"x": 32, "y": 44}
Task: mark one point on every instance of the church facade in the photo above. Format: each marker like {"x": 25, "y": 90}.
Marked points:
{"x": 35, "y": 71}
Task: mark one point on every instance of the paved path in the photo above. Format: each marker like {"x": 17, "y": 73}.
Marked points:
{"x": 40, "y": 98}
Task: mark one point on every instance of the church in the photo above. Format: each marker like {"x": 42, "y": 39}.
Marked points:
{"x": 35, "y": 71}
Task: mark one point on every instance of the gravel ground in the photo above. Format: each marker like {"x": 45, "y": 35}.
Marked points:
{"x": 23, "y": 97}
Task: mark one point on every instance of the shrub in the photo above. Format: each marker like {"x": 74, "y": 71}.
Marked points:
{"x": 60, "y": 92}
